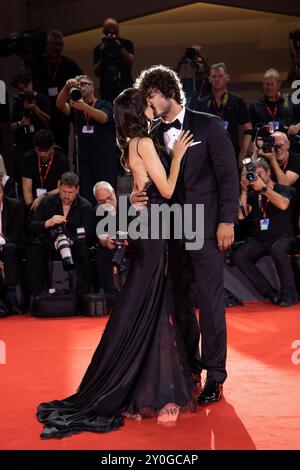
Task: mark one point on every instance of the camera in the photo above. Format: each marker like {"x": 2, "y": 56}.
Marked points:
{"x": 119, "y": 256}
{"x": 63, "y": 245}
{"x": 22, "y": 97}
{"x": 119, "y": 260}
{"x": 295, "y": 37}
{"x": 75, "y": 94}
{"x": 191, "y": 54}
{"x": 250, "y": 175}
{"x": 108, "y": 39}
{"x": 264, "y": 141}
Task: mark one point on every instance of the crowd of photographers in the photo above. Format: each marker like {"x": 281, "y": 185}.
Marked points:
{"x": 47, "y": 211}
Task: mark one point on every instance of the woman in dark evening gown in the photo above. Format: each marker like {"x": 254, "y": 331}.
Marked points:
{"x": 136, "y": 370}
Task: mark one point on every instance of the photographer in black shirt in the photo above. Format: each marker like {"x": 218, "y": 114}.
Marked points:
{"x": 113, "y": 59}
{"x": 30, "y": 113}
{"x": 42, "y": 169}
{"x": 268, "y": 210}
{"x": 65, "y": 213}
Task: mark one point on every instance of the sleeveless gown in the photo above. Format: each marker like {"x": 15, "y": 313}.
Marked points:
{"x": 136, "y": 370}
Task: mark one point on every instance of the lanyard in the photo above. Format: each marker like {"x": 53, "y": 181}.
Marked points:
{"x": 43, "y": 177}
{"x": 263, "y": 208}
{"x": 220, "y": 110}
{"x": 273, "y": 113}
{"x": 285, "y": 165}
{"x": 87, "y": 116}
{"x": 53, "y": 76}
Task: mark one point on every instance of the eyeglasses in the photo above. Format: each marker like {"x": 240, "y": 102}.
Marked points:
{"x": 84, "y": 83}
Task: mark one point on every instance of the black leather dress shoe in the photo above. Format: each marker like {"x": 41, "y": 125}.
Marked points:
{"x": 211, "y": 392}
{"x": 286, "y": 300}
{"x": 273, "y": 296}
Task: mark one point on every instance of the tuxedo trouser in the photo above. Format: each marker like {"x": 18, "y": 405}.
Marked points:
{"x": 208, "y": 266}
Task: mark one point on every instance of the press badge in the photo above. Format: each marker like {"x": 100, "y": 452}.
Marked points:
{"x": 264, "y": 224}
{"x": 88, "y": 129}
{"x": 273, "y": 126}
{"x": 40, "y": 191}
{"x": 225, "y": 124}
{"x": 53, "y": 91}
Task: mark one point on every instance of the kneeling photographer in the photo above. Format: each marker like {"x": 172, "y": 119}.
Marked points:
{"x": 111, "y": 252}
{"x": 63, "y": 227}
{"x": 267, "y": 207}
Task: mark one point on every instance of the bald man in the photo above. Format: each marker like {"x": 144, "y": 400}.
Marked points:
{"x": 113, "y": 59}
{"x": 275, "y": 108}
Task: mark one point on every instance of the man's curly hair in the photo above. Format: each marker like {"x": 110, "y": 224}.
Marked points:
{"x": 162, "y": 79}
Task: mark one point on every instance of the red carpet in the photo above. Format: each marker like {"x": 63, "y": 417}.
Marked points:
{"x": 45, "y": 360}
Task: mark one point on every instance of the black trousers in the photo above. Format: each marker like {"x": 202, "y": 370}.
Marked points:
{"x": 185, "y": 321}
{"x": 10, "y": 257}
{"x": 246, "y": 256}
{"x": 208, "y": 266}
{"x": 37, "y": 266}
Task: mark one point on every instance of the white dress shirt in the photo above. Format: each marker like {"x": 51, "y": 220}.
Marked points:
{"x": 172, "y": 134}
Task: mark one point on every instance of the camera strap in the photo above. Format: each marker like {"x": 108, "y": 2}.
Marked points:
{"x": 274, "y": 112}
{"x": 87, "y": 116}
{"x": 44, "y": 176}
{"x": 53, "y": 74}
{"x": 285, "y": 165}
{"x": 263, "y": 208}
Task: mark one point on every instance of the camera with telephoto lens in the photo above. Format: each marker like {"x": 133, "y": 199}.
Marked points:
{"x": 119, "y": 260}
{"x": 191, "y": 54}
{"x": 22, "y": 97}
{"x": 75, "y": 94}
{"x": 295, "y": 37}
{"x": 108, "y": 39}
{"x": 63, "y": 245}
{"x": 250, "y": 168}
{"x": 119, "y": 255}
{"x": 264, "y": 141}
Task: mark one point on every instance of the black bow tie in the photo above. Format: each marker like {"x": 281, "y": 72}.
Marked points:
{"x": 165, "y": 126}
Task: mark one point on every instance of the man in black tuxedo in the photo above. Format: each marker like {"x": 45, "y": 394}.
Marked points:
{"x": 208, "y": 177}
{"x": 11, "y": 239}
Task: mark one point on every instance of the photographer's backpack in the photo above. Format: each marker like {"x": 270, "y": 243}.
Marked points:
{"x": 58, "y": 302}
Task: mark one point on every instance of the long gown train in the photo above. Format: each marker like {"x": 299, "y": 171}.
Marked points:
{"x": 136, "y": 369}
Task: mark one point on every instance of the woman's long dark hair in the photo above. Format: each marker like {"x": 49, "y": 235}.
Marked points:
{"x": 130, "y": 119}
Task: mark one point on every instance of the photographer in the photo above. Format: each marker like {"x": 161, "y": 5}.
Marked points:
{"x": 70, "y": 215}
{"x": 11, "y": 241}
{"x": 51, "y": 72}
{"x": 231, "y": 108}
{"x": 31, "y": 112}
{"x": 285, "y": 166}
{"x": 106, "y": 198}
{"x": 113, "y": 60}
{"x": 269, "y": 213}
{"x": 42, "y": 169}
{"x": 274, "y": 108}
{"x": 95, "y": 130}
{"x": 193, "y": 70}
